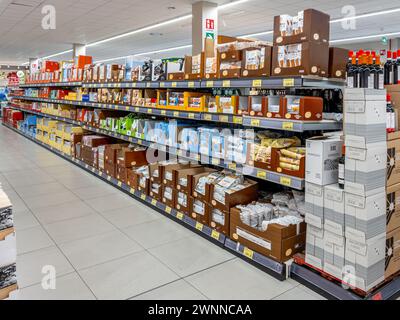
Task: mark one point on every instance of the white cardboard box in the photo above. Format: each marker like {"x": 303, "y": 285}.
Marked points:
{"x": 365, "y": 217}
{"x": 323, "y": 154}
{"x": 334, "y": 211}
{"x": 361, "y": 94}
{"x": 365, "y": 112}
{"x": 314, "y": 203}
{"x": 8, "y": 250}
{"x": 366, "y": 255}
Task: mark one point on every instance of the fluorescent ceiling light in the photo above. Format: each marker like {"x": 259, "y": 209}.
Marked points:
{"x": 147, "y": 53}
{"x": 231, "y": 4}
{"x": 366, "y": 37}
{"x": 56, "y": 54}
{"x": 256, "y": 34}
{"x": 367, "y": 15}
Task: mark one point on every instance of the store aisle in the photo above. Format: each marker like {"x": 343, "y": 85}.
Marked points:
{"x": 105, "y": 245}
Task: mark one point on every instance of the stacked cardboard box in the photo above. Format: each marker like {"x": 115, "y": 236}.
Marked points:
{"x": 8, "y": 251}
{"x": 324, "y": 201}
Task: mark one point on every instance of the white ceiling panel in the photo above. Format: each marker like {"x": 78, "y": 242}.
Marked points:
{"x": 86, "y": 21}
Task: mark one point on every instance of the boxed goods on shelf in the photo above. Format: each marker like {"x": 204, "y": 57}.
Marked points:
{"x": 202, "y": 185}
{"x": 256, "y": 61}
{"x": 194, "y": 67}
{"x": 334, "y": 255}
{"x": 270, "y": 227}
{"x": 174, "y": 68}
{"x": 392, "y": 263}
{"x": 141, "y": 179}
{"x": 338, "y": 62}
{"x": 302, "y": 108}
{"x": 393, "y": 166}
{"x": 315, "y": 247}
{"x": 185, "y": 178}
{"x": 307, "y": 25}
{"x": 156, "y": 191}
{"x": 182, "y": 202}
{"x": 314, "y": 198}
{"x": 334, "y": 209}
{"x": 168, "y": 196}
{"x": 392, "y": 207}
{"x": 200, "y": 211}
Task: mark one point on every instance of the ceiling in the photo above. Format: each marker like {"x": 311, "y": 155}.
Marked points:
{"x": 87, "y": 21}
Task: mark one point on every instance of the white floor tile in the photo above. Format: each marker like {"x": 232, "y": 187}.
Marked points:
{"x": 24, "y": 220}
{"x": 299, "y": 293}
{"x": 130, "y": 216}
{"x": 41, "y": 189}
{"x": 178, "y": 290}
{"x": 190, "y": 255}
{"x": 88, "y": 252}
{"x": 127, "y": 277}
{"x": 30, "y": 265}
{"x": 47, "y": 200}
{"x": 32, "y": 239}
{"x": 61, "y": 212}
{"x": 237, "y": 280}
{"x": 79, "y": 228}
{"x": 68, "y": 287}
{"x": 158, "y": 232}
{"x": 111, "y": 202}
{"x": 95, "y": 191}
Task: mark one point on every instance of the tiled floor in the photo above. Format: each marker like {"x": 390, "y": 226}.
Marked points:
{"x": 105, "y": 245}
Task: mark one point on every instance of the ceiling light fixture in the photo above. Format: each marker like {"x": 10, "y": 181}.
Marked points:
{"x": 256, "y": 34}
{"x": 392, "y": 34}
{"x": 231, "y": 4}
{"x": 366, "y": 15}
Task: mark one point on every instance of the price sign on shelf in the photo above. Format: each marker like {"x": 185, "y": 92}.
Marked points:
{"x": 248, "y": 253}
{"x": 199, "y": 226}
{"x": 174, "y": 84}
{"x": 210, "y": 84}
{"x": 168, "y": 209}
{"x": 257, "y": 83}
{"x": 286, "y": 181}
{"x": 288, "y": 126}
{"x": 191, "y": 84}
{"x": 262, "y": 174}
{"x": 215, "y": 235}
{"x": 288, "y": 82}
{"x": 226, "y": 83}
{"x": 255, "y": 122}
{"x": 237, "y": 120}
{"x": 179, "y": 215}
{"x": 154, "y": 202}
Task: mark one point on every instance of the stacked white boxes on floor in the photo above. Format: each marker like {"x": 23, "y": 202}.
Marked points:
{"x": 365, "y": 186}
{"x": 324, "y": 217}
{"x": 8, "y": 250}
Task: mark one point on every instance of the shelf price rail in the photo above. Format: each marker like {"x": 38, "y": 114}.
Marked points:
{"x": 276, "y": 269}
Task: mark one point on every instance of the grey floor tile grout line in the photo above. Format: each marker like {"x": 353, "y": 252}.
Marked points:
{"x": 150, "y": 290}
{"x": 36, "y": 283}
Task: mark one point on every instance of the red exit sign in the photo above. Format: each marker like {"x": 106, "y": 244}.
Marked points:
{"x": 210, "y": 24}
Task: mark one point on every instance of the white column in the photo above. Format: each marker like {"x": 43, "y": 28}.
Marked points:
{"x": 204, "y": 24}
{"x": 78, "y": 50}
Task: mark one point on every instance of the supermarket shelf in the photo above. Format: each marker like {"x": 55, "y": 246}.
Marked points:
{"x": 268, "y": 265}
{"x": 291, "y": 125}
{"x": 51, "y": 84}
{"x": 253, "y": 122}
{"x": 285, "y": 180}
{"x": 275, "y": 269}
{"x": 132, "y": 85}
{"x": 333, "y": 290}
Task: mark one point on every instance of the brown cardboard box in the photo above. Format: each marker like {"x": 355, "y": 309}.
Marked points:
{"x": 156, "y": 172}
{"x": 155, "y": 191}
{"x": 394, "y": 91}
{"x": 216, "y": 224}
{"x": 182, "y": 202}
{"x": 89, "y": 155}
{"x": 316, "y": 27}
{"x": 186, "y": 175}
{"x": 392, "y": 253}
{"x": 167, "y": 173}
{"x": 198, "y": 196}
{"x": 314, "y": 60}
{"x": 244, "y": 196}
{"x": 278, "y": 242}
{"x": 111, "y": 151}
{"x": 110, "y": 169}
{"x": 338, "y": 58}
{"x": 393, "y": 207}
{"x": 95, "y": 141}
{"x": 262, "y": 71}
{"x": 127, "y": 158}
{"x": 200, "y": 211}
{"x": 121, "y": 173}
{"x": 309, "y": 108}
{"x": 168, "y": 196}
{"x": 393, "y": 163}
{"x": 131, "y": 178}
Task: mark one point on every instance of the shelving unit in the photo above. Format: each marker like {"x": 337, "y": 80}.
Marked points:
{"x": 276, "y": 269}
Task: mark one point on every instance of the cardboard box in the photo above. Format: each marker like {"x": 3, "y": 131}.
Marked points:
{"x": 392, "y": 263}
{"x": 182, "y": 202}
{"x": 122, "y": 174}
{"x": 307, "y": 25}
{"x": 338, "y": 58}
{"x": 393, "y": 163}
{"x": 366, "y": 263}
{"x": 89, "y": 155}
{"x": 256, "y": 62}
{"x": 128, "y": 158}
{"x": 298, "y": 59}
{"x": 323, "y": 154}
{"x": 200, "y": 211}
{"x": 184, "y": 178}
{"x": 364, "y": 95}
{"x": 220, "y": 220}
{"x": 334, "y": 209}
{"x": 365, "y": 170}
{"x": 303, "y": 108}
{"x": 110, "y": 169}
{"x": 314, "y": 204}
{"x": 111, "y": 151}
{"x": 156, "y": 191}
{"x": 393, "y": 207}
{"x": 168, "y": 196}
{"x": 365, "y": 217}
{"x": 314, "y": 248}
{"x": 167, "y": 173}
{"x": 334, "y": 254}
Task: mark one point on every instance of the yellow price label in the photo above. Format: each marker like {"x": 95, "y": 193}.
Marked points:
{"x": 288, "y": 126}
{"x": 93, "y": 169}
{"x": 134, "y": 85}
{"x": 149, "y": 110}
{"x": 257, "y": 83}
{"x": 191, "y": 84}
{"x": 238, "y": 120}
{"x": 143, "y": 197}
{"x": 127, "y": 108}
{"x": 108, "y": 178}
{"x": 208, "y": 117}
{"x": 199, "y": 226}
{"x": 224, "y": 118}
{"x": 191, "y": 115}
{"x": 288, "y": 82}
{"x": 119, "y": 184}
{"x": 215, "y": 235}
{"x": 154, "y": 202}
{"x": 168, "y": 209}
{"x": 215, "y": 161}
{"x": 255, "y": 122}
{"x": 132, "y": 191}
{"x": 248, "y": 253}
{"x": 162, "y": 84}
{"x": 286, "y": 181}
{"x": 118, "y": 85}
{"x": 262, "y": 174}
{"x": 148, "y": 85}
{"x": 179, "y": 215}
{"x": 137, "y": 109}
{"x": 139, "y": 142}
{"x": 174, "y": 84}
{"x": 176, "y": 114}
{"x": 163, "y": 112}
{"x": 210, "y": 84}
{"x": 226, "y": 83}
{"x": 232, "y": 166}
